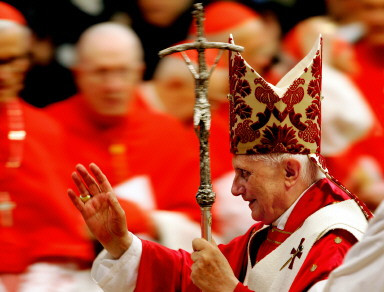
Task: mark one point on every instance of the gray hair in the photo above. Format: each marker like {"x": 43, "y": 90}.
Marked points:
{"x": 310, "y": 171}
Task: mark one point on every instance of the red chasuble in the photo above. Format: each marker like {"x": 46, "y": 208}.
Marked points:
{"x": 162, "y": 269}
{"x": 142, "y": 143}
{"x": 37, "y": 220}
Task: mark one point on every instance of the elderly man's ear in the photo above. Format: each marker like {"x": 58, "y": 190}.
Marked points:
{"x": 292, "y": 169}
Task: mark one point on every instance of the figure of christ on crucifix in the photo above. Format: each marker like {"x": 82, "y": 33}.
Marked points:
{"x": 202, "y": 116}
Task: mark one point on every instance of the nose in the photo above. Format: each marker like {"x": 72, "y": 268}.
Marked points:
{"x": 237, "y": 188}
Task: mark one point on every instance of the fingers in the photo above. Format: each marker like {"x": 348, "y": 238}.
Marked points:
{"x": 199, "y": 244}
{"x": 89, "y": 181}
{"x": 76, "y": 200}
{"x": 202, "y": 247}
{"x": 101, "y": 178}
{"x": 195, "y": 256}
{"x": 79, "y": 184}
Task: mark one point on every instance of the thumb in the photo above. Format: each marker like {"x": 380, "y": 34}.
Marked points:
{"x": 213, "y": 241}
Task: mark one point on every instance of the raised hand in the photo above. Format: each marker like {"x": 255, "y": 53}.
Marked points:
{"x": 211, "y": 270}
{"x": 102, "y": 212}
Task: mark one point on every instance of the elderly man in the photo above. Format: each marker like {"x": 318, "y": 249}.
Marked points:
{"x": 43, "y": 247}
{"x": 306, "y": 222}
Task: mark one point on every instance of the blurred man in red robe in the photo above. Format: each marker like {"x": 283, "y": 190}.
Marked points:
{"x": 44, "y": 245}
{"x": 304, "y": 220}
{"x": 369, "y": 53}
{"x": 145, "y": 154}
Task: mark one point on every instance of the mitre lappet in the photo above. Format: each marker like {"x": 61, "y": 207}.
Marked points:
{"x": 281, "y": 118}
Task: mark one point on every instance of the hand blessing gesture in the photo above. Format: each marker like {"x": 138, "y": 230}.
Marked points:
{"x": 100, "y": 209}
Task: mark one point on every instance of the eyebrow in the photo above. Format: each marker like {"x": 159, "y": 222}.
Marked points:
{"x": 13, "y": 58}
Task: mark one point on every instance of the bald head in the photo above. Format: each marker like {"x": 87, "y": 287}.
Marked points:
{"x": 15, "y": 41}
{"x": 16, "y": 34}
{"x": 109, "y": 38}
{"x": 108, "y": 68}
{"x": 175, "y": 86}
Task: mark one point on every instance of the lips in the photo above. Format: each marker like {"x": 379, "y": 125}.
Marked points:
{"x": 251, "y": 203}
{"x": 112, "y": 101}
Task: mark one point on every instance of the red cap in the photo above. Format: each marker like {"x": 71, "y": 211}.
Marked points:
{"x": 8, "y": 12}
{"x": 223, "y": 16}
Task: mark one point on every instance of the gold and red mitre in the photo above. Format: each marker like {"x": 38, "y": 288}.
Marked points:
{"x": 285, "y": 118}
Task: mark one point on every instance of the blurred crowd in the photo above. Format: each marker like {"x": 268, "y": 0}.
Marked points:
{"x": 81, "y": 81}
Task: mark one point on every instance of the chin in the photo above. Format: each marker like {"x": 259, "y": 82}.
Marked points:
{"x": 113, "y": 111}
{"x": 257, "y": 217}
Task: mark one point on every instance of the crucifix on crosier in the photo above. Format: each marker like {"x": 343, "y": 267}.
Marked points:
{"x": 205, "y": 196}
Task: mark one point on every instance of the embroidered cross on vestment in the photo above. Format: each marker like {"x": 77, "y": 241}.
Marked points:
{"x": 295, "y": 253}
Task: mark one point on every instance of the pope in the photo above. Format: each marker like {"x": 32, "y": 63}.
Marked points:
{"x": 306, "y": 221}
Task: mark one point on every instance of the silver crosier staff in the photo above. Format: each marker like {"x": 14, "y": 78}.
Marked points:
{"x": 205, "y": 196}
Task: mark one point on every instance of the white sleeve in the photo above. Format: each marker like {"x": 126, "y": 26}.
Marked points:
{"x": 117, "y": 275}
{"x": 363, "y": 265}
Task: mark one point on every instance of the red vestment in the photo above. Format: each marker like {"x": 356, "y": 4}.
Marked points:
{"x": 369, "y": 78}
{"x": 221, "y": 158}
{"x": 44, "y": 223}
{"x": 141, "y": 143}
{"x": 169, "y": 270}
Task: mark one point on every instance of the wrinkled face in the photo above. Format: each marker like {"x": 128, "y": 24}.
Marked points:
{"x": 372, "y": 14}
{"x": 262, "y": 185}
{"x": 107, "y": 77}
{"x": 163, "y": 12}
{"x": 14, "y": 62}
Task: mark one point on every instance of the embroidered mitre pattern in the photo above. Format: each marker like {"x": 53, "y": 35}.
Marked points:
{"x": 285, "y": 118}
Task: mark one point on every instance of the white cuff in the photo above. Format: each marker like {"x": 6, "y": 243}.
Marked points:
{"x": 118, "y": 274}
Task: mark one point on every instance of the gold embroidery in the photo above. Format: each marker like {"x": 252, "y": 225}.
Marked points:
{"x": 281, "y": 231}
{"x": 274, "y": 241}
{"x": 313, "y": 268}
